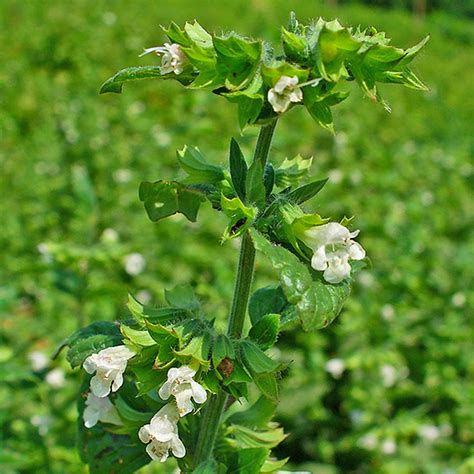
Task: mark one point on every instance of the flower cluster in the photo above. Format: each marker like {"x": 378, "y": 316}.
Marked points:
{"x": 161, "y": 433}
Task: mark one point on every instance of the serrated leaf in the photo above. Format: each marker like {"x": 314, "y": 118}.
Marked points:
{"x": 222, "y": 349}
{"x": 240, "y": 217}
{"x": 265, "y": 301}
{"x": 295, "y": 46}
{"x": 265, "y": 332}
{"x": 249, "y": 438}
{"x": 238, "y": 169}
{"x": 91, "y": 339}
{"x": 317, "y": 303}
{"x": 165, "y": 198}
{"x": 183, "y": 296}
{"x": 307, "y": 191}
{"x": 251, "y": 460}
{"x": 255, "y": 359}
{"x": 291, "y": 171}
{"x": 196, "y": 350}
{"x": 257, "y": 415}
{"x": 198, "y": 169}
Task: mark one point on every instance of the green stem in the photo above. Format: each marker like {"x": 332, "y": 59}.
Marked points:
{"x": 212, "y": 415}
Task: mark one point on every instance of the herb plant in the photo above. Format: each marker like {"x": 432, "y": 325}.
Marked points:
{"x": 167, "y": 381}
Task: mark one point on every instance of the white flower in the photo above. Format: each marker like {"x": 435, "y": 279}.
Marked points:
{"x": 39, "y": 360}
{"x": 283, "y": 93}
{"x": 173, "y": 59}
{"x": 335, "y": 367}
{"x": 56, "y": 378}
{"x": 181, "y": 385}
{"x": 429, "y": 432}
{"x": 389, "y": 375}
{"x": 161, "y": 434}
{"x": 333, "y": 247}
{"x": 368, "y": 441}
{"x": 99, "y": 409}
{"x": 134, "y": 263}
{"x": 109, "y": 365}
{"x": 389, "y": 446}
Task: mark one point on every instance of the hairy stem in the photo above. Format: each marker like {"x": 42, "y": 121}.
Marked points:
{"x": 210, "y": 423}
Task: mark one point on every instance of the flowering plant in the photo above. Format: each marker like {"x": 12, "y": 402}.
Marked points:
{"x": 168, "y": 378}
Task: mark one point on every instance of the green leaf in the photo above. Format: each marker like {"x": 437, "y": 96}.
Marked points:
{"x": 255, "y": 359}
{"x": 198, "y": 169}
{"x": 307, "y": 191}
{"x": 251, "y": 460}
{"x": 142, "y": 313}
{"x": 317, "y": 303}
{"x": 268, "y": 179}
{"x": 222, "y": 349}
{"x": 238, "y": 169}
{"x": 240, "y": 216}
{"x": 131, "y": 414}
{"x": 265, "y": 301}
{"x": 183, "y": 296}
{"x": 148, "y": 378}
{"x": 257, "y": 415}
{"x": 139, "y": 338}
{"x": 272, "y": 72}
{"x": 295, "y": 46}
{"x": 165, "y": 198}
{"x": 248, "y": 438}
{"x": 272, "y": 465}
{"x": 197, "y": 350}
{"x": 237, "y": 59}
{"x": 177, "y": 35}
{"x": 90, "y": 340}
{"x": 207, "y": 467}
{"x": 197, "y": 34}
{"x": 290, "y": 172}
{"x": 255, "y": 187}
{"x": 267, "y": 385}
{"x": 265, "y": 332}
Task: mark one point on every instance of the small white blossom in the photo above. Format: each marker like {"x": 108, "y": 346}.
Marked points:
{"x": 39, "y": 360}
{"x": 42, "y": 422}
{"x": 429, "y": 432}
{"x": 333, "y": 247}
{"x": 109, "y": 236}
{"x": 109, "y": 365}
{"x": 335, "y": 367}
{"x": 458, "y": 300}
{"x": 134, "y": 263}
{"x": 369, "y": 441}
{"x": 389, "y": 375}
{"x": 387, "y": 312}
{"x": 173, "y": 59}
{"x": 99, "y": 409}
{"x": 389, "y": 446}
{"x": 56, "y": 378}
{"x": 283, "y": 93}
{"x": 181, "y": 385}
{"x": 161, "y": 434}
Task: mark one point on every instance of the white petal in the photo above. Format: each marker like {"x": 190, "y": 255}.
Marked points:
{"x": 165, "y": 390}
{"x": 99, "y": 386}
{"x": 186, "y": 372}
{"x": 199, "y": 394}
{"x": 319, "y": 261}
{"x": 90, "y": 417}
{"x": 118, "y": 382}
{"x": 183, "y": 400}
{"x": 89, "y": 364}
{"x": 157, "y": 451}
{"x": 173, "y": 374}
{"x": 326, "y": 234}
{"x": 144, "y": 434}
{"x": 178, "y": 448}
{"x": 356, "y": 251}
{"x": 337, "y": 271}
{"x": 296, "y": 95}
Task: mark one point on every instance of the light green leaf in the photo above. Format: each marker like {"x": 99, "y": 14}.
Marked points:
{"x": 257, "y": 415}
{"x": 183, "y": 296}
{"x": 291, "y": 171}
{"x": 198, "y": 169}
{"x": 240, "y": 216}
{"x": 255, "y": 359}
{"x": 137, "y": 337}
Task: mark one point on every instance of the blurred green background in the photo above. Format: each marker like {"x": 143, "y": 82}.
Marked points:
{"x": 389, "y": 387}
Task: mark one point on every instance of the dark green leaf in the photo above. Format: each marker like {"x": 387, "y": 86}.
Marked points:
{"x": 257, "y": 415}
{"x": 265, "y": 332}
{"x": 255, "y": 188}
{"x": 307, "y": 191}
{"x": 238, "y": 169}
{"x": 264, "y": 301}
{"x": 267, "y": 385}
{"x": 222, "y": 349}
{"x": 268, "y": 179}
{"x": 165, "y": 198}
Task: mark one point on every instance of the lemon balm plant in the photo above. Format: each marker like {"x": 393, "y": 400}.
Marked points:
{"x": 167, "y": 382}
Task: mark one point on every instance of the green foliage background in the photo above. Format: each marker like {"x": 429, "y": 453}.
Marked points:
{"x": 71, "y": 165}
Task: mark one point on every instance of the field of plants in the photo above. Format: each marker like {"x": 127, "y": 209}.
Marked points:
{"x": 389, "y": 387}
